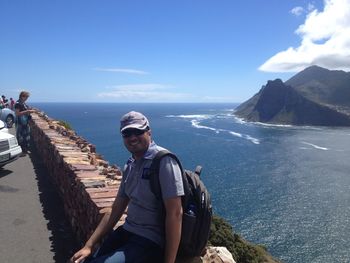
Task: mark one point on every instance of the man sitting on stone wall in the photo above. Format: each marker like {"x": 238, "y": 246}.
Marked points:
{"x": 145, "y": 235}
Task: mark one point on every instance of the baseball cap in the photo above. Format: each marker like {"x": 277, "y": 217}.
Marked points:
{"x": 135, "y": 120}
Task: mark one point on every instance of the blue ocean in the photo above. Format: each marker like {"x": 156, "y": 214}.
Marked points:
{"x": 285, "y": 187}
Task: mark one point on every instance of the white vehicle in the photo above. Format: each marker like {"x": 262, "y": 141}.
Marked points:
{"x": 9, "y": 148}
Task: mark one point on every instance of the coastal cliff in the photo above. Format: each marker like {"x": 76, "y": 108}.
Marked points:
{"x": 87, "y": 185}
{"x": 315, "y": 96}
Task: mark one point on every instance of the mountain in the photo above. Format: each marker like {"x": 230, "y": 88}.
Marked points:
{"x": 325, "y": 86}
{"x": 314, "y": 96}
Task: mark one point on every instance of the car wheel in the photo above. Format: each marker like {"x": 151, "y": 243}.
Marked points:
{"x": 9, "y": 121}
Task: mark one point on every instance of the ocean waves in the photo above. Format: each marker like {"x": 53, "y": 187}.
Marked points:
{"x": 197, "y": 120}
{"x": 316, "y": 146}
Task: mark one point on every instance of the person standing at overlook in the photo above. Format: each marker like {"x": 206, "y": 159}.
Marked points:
{"x": 23, "y": 112}
{"x": 12, "y": 104}
{"x": 4, "y": 101}
{"x": 146, "y": 236}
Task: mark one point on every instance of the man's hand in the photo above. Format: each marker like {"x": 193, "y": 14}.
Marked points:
{"x": 105, "y": 226}
{"x": 81, "y": 255}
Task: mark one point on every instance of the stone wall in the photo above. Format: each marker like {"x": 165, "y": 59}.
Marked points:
{"x": 86, "y": 183}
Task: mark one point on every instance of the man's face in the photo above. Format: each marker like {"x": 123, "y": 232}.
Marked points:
{"x": 136, "y": 141}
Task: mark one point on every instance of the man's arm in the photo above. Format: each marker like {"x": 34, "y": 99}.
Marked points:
{"x": 173, "y": 223}
{"x": 105, "y": 226}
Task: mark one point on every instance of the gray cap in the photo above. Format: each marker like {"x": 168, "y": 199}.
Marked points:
{"x": 135, "y": 120}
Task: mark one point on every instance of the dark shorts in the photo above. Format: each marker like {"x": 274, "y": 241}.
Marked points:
{"x": 122, "y": 246}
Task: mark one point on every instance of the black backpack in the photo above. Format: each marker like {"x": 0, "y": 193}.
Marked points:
{"x": 196, "y": 205}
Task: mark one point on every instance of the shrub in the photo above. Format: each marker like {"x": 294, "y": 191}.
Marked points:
{"x": 65, "y": 124}
{"x": 222, "y": 234}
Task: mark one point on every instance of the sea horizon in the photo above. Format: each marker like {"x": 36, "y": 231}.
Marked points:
{"x": 120, "y": 102}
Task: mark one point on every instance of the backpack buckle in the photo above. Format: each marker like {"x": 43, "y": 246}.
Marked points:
{"x": 198, "y": 170}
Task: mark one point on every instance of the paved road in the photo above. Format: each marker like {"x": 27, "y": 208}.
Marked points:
{"x": 32, "y": 223}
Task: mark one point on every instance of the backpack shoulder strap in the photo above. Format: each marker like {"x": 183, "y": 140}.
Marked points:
{"x": 154, "y": 171}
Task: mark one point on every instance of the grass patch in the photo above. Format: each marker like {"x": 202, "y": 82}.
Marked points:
{"x": 65, "y": 124}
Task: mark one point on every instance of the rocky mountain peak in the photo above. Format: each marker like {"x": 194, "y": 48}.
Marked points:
{"x": 314, "y": 96}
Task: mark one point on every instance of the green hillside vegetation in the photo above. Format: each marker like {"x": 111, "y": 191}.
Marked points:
{"x": 222, "y": 234}
{"x": 65, "y": 124}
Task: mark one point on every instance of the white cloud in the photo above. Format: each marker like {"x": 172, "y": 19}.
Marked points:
{"x": 123, "y": 70}
{"x": 297, "y": 11}
{"x": 144, "y": 93}
{"x": 310, "y": 7}
{"x": 325, "y": 41}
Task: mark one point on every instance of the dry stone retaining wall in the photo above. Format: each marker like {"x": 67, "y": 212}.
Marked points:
{"x": 86, "y": 183}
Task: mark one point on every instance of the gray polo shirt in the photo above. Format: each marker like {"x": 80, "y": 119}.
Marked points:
{"x": 144, "y": 214}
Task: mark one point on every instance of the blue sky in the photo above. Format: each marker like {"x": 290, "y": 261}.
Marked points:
{"x": 164, "y": 51}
